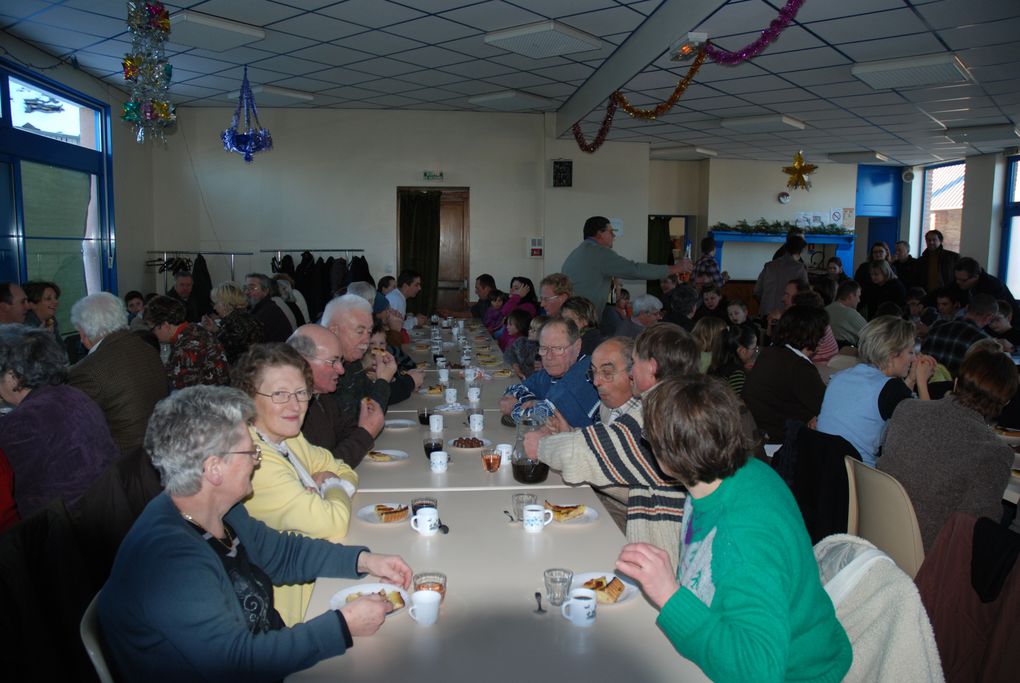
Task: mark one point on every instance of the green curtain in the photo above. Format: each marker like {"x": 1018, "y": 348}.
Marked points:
{"x": 660, "y": 247}
{"x": 419, "y": 244}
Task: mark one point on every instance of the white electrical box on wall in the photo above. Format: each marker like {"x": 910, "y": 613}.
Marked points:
{"x": 534, "y": 247}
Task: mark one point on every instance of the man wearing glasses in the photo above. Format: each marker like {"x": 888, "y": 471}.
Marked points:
{"x": 613, "y": 452}
{"x": 593, "y": 263}
{"x": 275, "y": 326}
{"x": 347, "y": 436}
{"x": 562, "y": 385}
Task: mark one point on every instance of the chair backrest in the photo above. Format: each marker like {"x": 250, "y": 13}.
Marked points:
{"x": 851, "y": 512}
{"x": 885, "y": 516}
{"x": 91, "y": 638}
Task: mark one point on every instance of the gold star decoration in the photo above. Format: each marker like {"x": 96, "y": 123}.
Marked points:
{"x": 799, "y": 173}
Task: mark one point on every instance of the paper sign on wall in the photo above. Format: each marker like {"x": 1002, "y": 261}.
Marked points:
{"x": 848, "y": 218}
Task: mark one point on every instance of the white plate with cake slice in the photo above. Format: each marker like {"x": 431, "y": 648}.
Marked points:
{"x": 384, "y": 513}
{"x": 604, "y": 597}
{"x": 387, "y": 455}
{"x": 395, "y": 594}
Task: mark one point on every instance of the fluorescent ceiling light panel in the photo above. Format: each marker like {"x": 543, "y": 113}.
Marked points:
{"x": 772, "y": 123}
{"x": 543, "y": 39}
{"x": 859, "y": 158}
{"x": 511, "y": 100}
{"x": 912, "y": 72}
{"x": 1005, "y": 132}
{"x": 272, "y": 96}
{"x": 195, "y": 29}
{"x": 683, "y": 153}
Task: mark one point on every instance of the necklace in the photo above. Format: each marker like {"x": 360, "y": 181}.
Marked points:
{"x": 228, "y": 544}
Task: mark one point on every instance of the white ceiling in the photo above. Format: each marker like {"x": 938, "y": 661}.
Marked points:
{"x": 430, "y": 55}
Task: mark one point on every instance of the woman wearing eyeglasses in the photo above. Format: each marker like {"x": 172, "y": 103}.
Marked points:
{"x": 299, "y": 487}
{"x": 190, "y": 594}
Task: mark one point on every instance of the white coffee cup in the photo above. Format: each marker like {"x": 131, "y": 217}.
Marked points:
{"x": 476, "y": 422}
{"x": 470, "y": 373}
{"x": 444, "y": 375}
{"x": 435, "y": 423}
{"x": 474, "y": 394}
{"x": 439, "y": 461}
{"x": 426, "y": 521}
{"x": 579, "y": 608}
{"x": 505, "y": 451}
{"x": 535, "y": 518}
{"x": 451, "y": 396}
{"x": 425, "y": 607}
{"x": 441, "y": 364}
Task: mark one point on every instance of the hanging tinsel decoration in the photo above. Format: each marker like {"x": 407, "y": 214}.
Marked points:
{"x": 251, "y": 140}
{"x": 148, "y": 71}
{"x": 799, "y": 173}
{"x": 600, "y": 137}
{"x": 768, "y": 36}
{"x": 663, "y": 107}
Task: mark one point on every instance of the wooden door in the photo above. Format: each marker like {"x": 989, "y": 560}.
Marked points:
{"x": 453, "y": 250}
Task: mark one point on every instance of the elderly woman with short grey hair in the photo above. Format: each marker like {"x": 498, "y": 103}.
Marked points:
{"x": 860, "y": 400}
{"x": 213, "y": 617}
{"x": 56, "y": 438}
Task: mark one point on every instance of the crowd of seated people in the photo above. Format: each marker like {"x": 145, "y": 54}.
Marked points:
{"x": 320, "y": 398}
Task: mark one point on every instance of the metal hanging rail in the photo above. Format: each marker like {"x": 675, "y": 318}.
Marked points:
{"x": 178, "y": 252}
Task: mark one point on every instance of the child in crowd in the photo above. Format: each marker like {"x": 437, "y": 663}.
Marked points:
{"x": 493, "y": 319}
{"x": 517, "y": 326}
{"x": 712, "y": 303}
{"x": 708, "y": 333}
{"x": 737, "y": 311}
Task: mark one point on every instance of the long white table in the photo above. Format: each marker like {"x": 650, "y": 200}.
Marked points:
{"x": 488, "y": 629}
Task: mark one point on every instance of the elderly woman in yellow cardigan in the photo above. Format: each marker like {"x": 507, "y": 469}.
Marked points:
{"x": 299, "y": 487}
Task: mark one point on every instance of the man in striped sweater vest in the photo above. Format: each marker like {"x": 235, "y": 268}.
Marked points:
{"x": 612, "y": 452}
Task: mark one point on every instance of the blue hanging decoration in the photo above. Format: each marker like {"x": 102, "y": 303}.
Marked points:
{"x": 251, "y": 140}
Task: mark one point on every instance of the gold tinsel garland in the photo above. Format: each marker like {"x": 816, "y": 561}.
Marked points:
{"x": 662, "y": 107}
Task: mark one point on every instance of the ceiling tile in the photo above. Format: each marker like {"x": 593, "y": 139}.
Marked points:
{"x": 431, "y": 57}
{"x": 62, "y": 40}
{"x": 519, "y": 80}
{"x": 331, "y": 55}
{"x": 478, "y": 69}
{"x": 742, "y": 85}
{"x": 86, "y": 22}
{"x": 254, "y": 12}
{"x": 893, "y": 48}
{"x": 342, "y": 76}
{"x": 473, "y": 87}
{"x": 952, "y": 13}
{"x": 383, "y": 66}
{"x": 379, "y": 43}
{"x": 492, "y": 16}
{"x": 373, "y": 13}
{"x": 801, "y": 59}
{"x": 975, "y": 35}
{"x": 317, "y": 27}
{"x": 428, "y": 77}
{"x": 276, "y": 41}
{"x": 605, "y": 21}
{"x": 289, "y": 65}
{"x": 432, "y": 30}
{"x": 895, "y": 22}
{"x": 237, "y": 55}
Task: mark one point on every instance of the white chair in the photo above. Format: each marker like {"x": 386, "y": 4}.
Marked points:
{"x": 884, "y": 515}
{"x": 91, "y": 638}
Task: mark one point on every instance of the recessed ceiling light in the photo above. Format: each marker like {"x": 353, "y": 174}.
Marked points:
{"x": 195, "y": 29}
{"x": 859, "y": 158}
{"x": 912, "y": 72}
{"x": 272, "y": 96}
{"x": 511, "y": 100}
{"x": 681, "y": 153}
{"x": 771, "y": 123}
{"x": 1005, "y": 132}
{"x": 543, "y": 39}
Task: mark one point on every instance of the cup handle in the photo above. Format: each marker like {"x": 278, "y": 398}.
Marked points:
{"x": 411, "y": 611}
{"x": 414, "y": 523}
{"x": 563, "y": 609}
{"x": 548, "y": 514}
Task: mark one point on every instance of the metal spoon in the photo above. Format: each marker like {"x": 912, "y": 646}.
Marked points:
{"x": 507, "y": 513}
{"x": 538, "y": 599}
{"x": 443, "y": 529}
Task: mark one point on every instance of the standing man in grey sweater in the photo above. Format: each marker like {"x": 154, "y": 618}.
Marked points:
{"x": 592, "y": 264}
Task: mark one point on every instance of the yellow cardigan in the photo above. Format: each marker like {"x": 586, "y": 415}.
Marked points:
{"x": 283, "y": 503}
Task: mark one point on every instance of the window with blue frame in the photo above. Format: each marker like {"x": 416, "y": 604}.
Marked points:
{"x": 56, "y": 199}
{"x": 1009, "y": 263}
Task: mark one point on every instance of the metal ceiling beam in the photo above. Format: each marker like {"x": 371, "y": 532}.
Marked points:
{"x": 671, "y": 20}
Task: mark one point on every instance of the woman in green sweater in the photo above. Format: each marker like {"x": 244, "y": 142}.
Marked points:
{"x": 746, "y": 603}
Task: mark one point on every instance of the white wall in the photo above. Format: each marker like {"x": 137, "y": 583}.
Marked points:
{"x": 331, "y": 182}
{"x": 675, "y": 188}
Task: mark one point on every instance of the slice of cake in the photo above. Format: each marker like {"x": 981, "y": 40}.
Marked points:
{"x": 386, "y": 513}
{"x": 563, "y": 513}
{"x": 606, "y": 592}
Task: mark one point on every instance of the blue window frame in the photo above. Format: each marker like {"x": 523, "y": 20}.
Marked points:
{"x": 56, "y": 187}
{"x": 1009, "y": 254}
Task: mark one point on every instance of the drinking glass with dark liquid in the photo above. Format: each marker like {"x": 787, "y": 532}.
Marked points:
{"x": 432, "y": 445}
{"x": 423, "y": 417}
{"x": 525, "y": 470}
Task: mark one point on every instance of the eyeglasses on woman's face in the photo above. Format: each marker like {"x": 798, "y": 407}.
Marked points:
{"x": 302, "y": 395}
{"x": 255, "y": 453}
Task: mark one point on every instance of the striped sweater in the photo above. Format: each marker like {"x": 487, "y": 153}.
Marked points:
{"x": 615, "y": 455}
